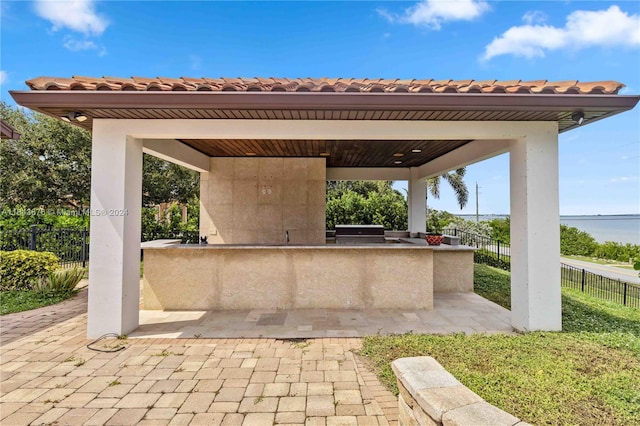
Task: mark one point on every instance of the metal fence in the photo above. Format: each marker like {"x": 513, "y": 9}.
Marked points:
{"x": 489, "y": 251}
{"x": 605, "y": 288}
{"x": 70, "y": 245}
{"x": 498, "y": 254}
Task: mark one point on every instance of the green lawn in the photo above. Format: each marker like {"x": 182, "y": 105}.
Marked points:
{"x": 25, "y": 300}
{"x": 586, "y": 374}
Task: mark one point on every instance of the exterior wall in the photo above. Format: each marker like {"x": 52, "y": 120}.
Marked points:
{"x": 256, "y": 200}
{"x": 245, "y": 277}
{"x": 452, "y": 271}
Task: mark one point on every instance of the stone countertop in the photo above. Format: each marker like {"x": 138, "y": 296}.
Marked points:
{"x": 405, "y": 243}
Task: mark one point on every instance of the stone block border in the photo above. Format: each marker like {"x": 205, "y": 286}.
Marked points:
{"x": 430, "y": 395}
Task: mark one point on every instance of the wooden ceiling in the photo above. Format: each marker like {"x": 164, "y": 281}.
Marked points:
{"x": 341, "y": 153}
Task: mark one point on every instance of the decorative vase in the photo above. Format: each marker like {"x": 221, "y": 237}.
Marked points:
{"x": 433, "y": 240}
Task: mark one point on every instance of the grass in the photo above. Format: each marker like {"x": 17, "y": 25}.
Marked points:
{"x": 599, "y": 261}
{"x": 25, "y": 300}
{"x": 586, "y": 374}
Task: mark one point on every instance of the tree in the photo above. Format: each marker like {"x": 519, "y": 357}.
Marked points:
{"x": 456, "y": 180}
{"x": 49, "y": 166}
{"x": 365, "y": 203}
{"x": 163, "y": 182}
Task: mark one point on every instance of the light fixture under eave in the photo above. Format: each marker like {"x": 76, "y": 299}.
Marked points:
{"x": 74, "y": 116}
{"x": 578, "y": 117}
{"x": 398, "y": 154}
{"x": 415, "y": 151}
{"x": 250, "y": 154}
{"x": 324, "y": 154}
{"x": 397, "y": 162}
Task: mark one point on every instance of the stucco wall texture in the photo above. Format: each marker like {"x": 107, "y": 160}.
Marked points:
{"x": 256, "y": 200}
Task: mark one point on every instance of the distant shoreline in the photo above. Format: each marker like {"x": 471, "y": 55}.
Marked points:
{"x": 620, "y": 228}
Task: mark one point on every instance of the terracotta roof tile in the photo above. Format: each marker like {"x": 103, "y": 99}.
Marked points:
{"x": 323, "y": 85}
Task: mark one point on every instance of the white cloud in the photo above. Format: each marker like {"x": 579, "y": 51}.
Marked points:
{"x": 3, "y": 76}
{"x": 76, "y": 45}
{"x": 432, "y": 13}
{"x": 624, "y": 179}
{"x": 76, "y": 15}
{"x": 611, "y": 27}
{"x": 534, "y": 17}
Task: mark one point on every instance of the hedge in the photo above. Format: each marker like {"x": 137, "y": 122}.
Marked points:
{"x": 19, "y": 269}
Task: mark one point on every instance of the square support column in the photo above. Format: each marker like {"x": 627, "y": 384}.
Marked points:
{"x": 417, "y": 200}
{"x": 114, "y": 261}
{"x": 535, "y": 231}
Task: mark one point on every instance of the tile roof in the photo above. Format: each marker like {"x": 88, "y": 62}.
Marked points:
{"x": 162, "y": 84}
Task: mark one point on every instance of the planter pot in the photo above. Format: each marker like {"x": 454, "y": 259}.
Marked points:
{"x": 434, "y": 240}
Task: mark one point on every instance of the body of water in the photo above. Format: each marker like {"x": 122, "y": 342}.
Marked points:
{"x": 619, "y": 228}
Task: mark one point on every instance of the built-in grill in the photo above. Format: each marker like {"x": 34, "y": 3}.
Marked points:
{"x": 359, "y": 234}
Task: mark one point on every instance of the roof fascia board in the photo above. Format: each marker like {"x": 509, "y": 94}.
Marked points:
{"x": 285, "y": 100}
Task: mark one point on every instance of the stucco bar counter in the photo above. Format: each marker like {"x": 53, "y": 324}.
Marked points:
{"x": 229, "y": 277}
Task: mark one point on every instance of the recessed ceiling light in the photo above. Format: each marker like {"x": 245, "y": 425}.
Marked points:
{"x": 397, "y": 162}
{"x": 250, "y": 154}
{"x": 325, "y": 154}
{"x": 398, "y": 154}
{"x": 416, "y": 150}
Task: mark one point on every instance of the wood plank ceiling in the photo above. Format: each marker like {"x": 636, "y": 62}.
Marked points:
{"x": 339, "y": 153}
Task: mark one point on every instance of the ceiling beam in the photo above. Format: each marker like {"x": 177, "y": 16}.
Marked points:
{"x": 176, "y": 152}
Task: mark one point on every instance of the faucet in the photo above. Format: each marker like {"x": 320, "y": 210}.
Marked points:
{"x": 286, "y": 237}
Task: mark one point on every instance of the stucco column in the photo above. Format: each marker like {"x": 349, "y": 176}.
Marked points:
{"x": 114, "y": 261}
{"x": 417, "y": 203}
{"x": 535, "y": 231}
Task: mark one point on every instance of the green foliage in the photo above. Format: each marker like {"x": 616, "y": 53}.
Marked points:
{"x": 479, "y": 229}
{"x": 25, "y": 300}
{"x": 616, "y": 251}
{"x": 438, "y": 220}
{"x": 62, "y": 281}
{"x": 456, "y": 180}
{"x": 492, "y": 284}
{"x": 574, "y": 241}
{"x": 501, "y": 229}
{"x": 170, "y": 223}
{"x": 365, "y": 203}
{"x": 20, "y": 269}
{"x": 486, "y": 257}
{"x": 50, "y": 165}
{"x": 586, "y": 374}
{"x": 165, "y": 182}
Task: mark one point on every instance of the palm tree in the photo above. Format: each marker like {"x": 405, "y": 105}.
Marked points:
{"x": 456, "y": 180}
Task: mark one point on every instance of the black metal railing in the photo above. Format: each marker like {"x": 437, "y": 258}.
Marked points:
{"x": 70, "y": 245}
{"x": 599, "y": 286}
{"x": 489, "y": 251}
{"x": 498, "y": 254}
{"x": 185, "y": 237}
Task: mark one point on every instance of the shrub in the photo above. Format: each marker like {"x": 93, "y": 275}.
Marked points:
{"x": 59, "y": 281}
{"x": 487, "y": 257}
{"x": 480, "y": 229}
{"x": 20, "y": 269}
{"x": 576, "y": 242}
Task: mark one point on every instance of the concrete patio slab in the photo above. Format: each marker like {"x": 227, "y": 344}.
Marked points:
{"x": 455, "y": 312}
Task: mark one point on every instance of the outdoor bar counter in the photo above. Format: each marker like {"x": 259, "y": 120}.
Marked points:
{"x": 403, "y": 275}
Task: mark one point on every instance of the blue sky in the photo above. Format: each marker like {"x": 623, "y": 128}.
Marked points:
{"x": 470, "y": 39}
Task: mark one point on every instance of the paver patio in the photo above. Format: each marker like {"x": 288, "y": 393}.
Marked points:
{"x": 49, "y": 376}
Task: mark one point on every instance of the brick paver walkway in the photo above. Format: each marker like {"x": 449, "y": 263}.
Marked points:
{"x": 49, "y": 376}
